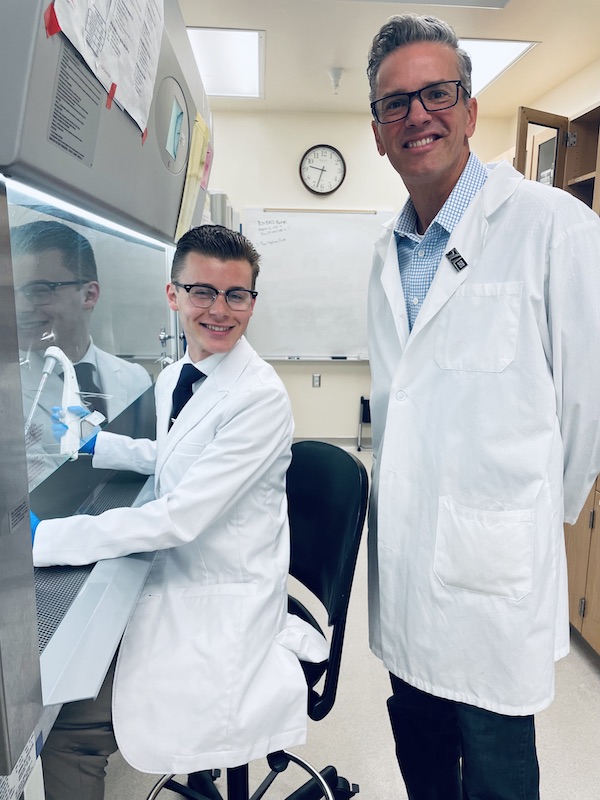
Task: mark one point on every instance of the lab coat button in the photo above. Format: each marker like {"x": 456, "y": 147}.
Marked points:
{"x": 400, "y": 395}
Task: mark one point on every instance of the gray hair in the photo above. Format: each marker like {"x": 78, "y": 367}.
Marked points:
{"x": 407, "y": 29}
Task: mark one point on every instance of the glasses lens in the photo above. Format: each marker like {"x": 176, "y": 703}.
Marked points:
{"x": 439, "y": 96}
{"x": 392, "y": 108}
{"x": 37, "y": 293}
{"x": 239, "y": 299}
{"x": 202, "y": 296}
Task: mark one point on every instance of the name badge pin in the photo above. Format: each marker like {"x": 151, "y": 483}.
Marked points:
{"x": 457, "y": 261}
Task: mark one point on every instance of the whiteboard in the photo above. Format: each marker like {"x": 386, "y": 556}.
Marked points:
{"x": 312, "y": 286}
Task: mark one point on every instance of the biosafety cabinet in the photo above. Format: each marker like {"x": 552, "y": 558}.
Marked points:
{"x": 99, "y": 176}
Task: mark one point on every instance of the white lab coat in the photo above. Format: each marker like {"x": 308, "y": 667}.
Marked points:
{"x": 490, "y": 407}
{"x": 207, "y": 675}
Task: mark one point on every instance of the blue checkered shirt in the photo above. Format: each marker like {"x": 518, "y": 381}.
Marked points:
{"x": 419, "y": 256}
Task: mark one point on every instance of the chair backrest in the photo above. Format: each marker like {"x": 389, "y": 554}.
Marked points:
{"x": 327, "y": 490}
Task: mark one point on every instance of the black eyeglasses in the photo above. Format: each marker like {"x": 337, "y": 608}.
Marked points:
{"x": 435, "y": 97}
{"x": 40, "y": 292}
{"x": 203, "y": 296}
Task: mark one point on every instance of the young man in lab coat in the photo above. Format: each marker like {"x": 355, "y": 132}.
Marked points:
{"x": 207, "y": 673}
{"x": 57, "y": 291}
{"x": 484, "y": 338}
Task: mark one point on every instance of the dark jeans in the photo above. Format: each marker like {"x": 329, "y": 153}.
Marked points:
{"x": 432, "y": 735}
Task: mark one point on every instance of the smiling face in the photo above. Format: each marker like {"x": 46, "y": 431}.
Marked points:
{"x": 218, "y": 328}
{"x": 64, "y": 318}
{"x": 428, "y": 149}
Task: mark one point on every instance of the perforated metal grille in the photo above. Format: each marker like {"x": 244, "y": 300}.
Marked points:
{"x": 57, "y": 587}
{"x": 119, "y": 492}
{"x": 55, "y": 590}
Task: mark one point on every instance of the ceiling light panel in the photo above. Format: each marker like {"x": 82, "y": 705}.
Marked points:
{"x": 490, "y": 58}
{"x": 458, "y": 3}
{"x": 231, "y": 62}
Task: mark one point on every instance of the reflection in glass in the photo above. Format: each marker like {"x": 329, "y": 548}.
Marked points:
{"x": 81, "y": 335}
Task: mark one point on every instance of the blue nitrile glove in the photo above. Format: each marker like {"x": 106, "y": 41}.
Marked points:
{"x": 89, "y": 446}
{"x": 35, "y": 521}
{"x": 59, "y": 428}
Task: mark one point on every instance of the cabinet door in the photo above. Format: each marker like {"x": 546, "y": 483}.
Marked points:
{"x": 583, "y": 158}
{"x": 531, "y": 123}
{"x": 590, "y": 628}
{"x": 577, "y": 540}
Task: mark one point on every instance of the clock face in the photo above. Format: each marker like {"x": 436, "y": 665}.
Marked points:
{"x": 322, "y": 169}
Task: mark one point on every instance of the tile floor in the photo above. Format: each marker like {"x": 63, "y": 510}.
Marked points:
{"x": 355, "y": 737}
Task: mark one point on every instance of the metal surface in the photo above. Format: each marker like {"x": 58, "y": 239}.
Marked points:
{"x": 108, "y": 168}
{"x": 55, "y": 590}
{"x": 20, "y": 692}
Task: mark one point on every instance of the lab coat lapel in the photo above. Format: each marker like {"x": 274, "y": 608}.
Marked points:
{"x": 109, "y": 373}
{"x": 194, "y": 411}
{"x": 390, "y": 280}
{"x": 216, "y": 386}
{"x": 468, "y": 239}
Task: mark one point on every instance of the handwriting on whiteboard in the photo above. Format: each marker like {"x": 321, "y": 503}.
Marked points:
{"x": 270, "y": 232}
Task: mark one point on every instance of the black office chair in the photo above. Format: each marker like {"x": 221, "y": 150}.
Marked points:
{"x": 364, "y": 418}
{"x": 327, "y": 491}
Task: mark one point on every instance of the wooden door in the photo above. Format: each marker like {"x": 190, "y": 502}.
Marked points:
{"x": 590, "y": 628}
{"x": 578, "y": 539}
{"x": 538, "y": 120}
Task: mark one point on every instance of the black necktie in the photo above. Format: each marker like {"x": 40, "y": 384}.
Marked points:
{"x": 89, "y": 388}
{"x": 183, "y": 391}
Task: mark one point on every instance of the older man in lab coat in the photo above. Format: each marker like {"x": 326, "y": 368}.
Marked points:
{"x": 208, "y": 672}
{"x": 484, "y": 326}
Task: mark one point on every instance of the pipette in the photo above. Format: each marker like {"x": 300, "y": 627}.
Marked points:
{"x": 69, "y": 443}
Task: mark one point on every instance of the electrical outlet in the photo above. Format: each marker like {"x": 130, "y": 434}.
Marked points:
{"x": 316, "y": 381}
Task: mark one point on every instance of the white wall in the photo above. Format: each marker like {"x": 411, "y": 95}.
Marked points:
{"x": 572, "y": 97}
{"x": 256, "y": 163}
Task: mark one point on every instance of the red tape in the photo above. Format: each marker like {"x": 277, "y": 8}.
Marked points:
{"x": 111, "y": 95}
{"x": 51, "y": 21}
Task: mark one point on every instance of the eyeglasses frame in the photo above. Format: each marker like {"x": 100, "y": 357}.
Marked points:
{"x": 410, "y": 95}
{"x": 51, "y": 285}
{"x": 189, "y": 286}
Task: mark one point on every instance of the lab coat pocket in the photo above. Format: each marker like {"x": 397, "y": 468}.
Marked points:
{"x": 188, "y": 449}
{"x": 490, "y": 552}
{"x": 477, "y": 329}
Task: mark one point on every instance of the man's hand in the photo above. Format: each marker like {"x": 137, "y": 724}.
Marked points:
{"x": 59, "y": 428}
{"x": 34, "y": 521}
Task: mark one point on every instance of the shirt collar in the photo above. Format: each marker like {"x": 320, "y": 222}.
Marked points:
{"x": 89, "y": 357}
{"x": 208, "y": 364}
{"x": 472, "y": 178}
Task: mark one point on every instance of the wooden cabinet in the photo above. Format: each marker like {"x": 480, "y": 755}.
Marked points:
{"x": 590, "y": 628}
{"x": 576, "y": 163}
{"x": 575, "y": 167}
{"x": 582, "y": 542}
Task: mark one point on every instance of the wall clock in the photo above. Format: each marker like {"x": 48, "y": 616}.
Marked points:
{"x": 322, "y": 169}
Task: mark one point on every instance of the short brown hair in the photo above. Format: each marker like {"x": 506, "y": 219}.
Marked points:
{"x": 218, "y": 242}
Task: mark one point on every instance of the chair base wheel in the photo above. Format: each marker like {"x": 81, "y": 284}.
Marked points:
{"x": 340, "y": 787}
